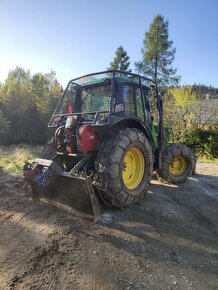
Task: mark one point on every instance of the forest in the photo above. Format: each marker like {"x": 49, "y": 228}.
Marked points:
{"x": 26, "y": 104}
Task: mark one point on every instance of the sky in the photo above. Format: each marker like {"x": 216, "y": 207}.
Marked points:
{"x": 78, "y": 37}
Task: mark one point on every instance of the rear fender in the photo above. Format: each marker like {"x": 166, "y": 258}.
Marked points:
{"x": 134, "y": 123}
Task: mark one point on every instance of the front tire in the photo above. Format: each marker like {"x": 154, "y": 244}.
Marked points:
{"x": 125, "y": 167}
{"x": 178, "y": 163}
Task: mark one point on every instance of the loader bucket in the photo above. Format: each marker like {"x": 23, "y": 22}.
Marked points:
{"x": 73, "y": 194}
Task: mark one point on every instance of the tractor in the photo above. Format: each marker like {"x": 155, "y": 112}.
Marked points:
{"x": 109, "y": 138}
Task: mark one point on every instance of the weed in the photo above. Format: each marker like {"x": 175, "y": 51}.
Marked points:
{"x": 12, "y": 158}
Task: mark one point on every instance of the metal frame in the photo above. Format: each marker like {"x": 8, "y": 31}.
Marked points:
{"x": 114, "y": 73}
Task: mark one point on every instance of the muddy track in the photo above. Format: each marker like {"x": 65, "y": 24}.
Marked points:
{"x": 170, "y": 241}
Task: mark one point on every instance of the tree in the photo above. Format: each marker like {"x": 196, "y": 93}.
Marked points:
{"x": 4, "y": 123}
{"x": 17, "y": 91}
{"x": 121, "y": 60}
{"x": 158, "y": 54}
{"x": 26, "y": 103}
{"x": 44, "y": 88}
{"x": 178, "y": 108}
{"x": 33, "y": 126}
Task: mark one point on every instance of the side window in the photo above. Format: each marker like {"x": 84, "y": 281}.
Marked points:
{"x": 147, "y": 107}
{"x": 153, "y": 106}
{"x": 139, "y": 105}
{"x": 67, "y": 105}
{"x": 144, "y": 115}
{"x": 128, "y": 98}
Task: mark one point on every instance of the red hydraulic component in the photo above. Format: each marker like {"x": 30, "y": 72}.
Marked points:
{"x": 88, "y": 139}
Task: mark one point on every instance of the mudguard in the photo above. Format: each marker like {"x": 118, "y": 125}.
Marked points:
{"x": 71, "y": 193}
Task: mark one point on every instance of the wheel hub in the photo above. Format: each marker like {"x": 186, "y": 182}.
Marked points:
{"x": 178, "y": 165}
{"x": 133, "y": 168}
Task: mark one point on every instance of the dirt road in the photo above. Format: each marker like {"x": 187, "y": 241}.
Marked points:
{"x": 170, "y": 241}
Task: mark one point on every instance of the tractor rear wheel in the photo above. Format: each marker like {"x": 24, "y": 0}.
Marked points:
{"x": 178, "y": 163}
{"x": 125, "y": 167}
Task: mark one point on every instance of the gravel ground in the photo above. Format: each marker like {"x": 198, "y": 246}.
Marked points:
{"x": 170, "y": 241}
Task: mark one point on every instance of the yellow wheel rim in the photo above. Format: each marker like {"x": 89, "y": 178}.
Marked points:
{"x": 133, "y": 168}
{"x": 178, "y": 165}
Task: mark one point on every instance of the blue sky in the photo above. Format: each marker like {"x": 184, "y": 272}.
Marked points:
{"x": 81, "y": 36}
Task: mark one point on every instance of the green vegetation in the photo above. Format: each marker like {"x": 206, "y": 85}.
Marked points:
{"x": 204, "y": 159}
{"x": 202, "y": 142}
{"x": 121, "y": 60}
{"x": 158, "y": 54}
{"x": 26, "y": 104}
{"x": 178, "y": 105}
{"x": 12, "y": 158}
{"x": 203, "y": 91}
{"x": 4, "y": 123}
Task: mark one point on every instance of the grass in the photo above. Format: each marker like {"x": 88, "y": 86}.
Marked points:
{"x": 203, "y": 159}
{"x": 12, "y": 158}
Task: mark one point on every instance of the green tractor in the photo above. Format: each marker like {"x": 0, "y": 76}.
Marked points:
{"x": 106, "y": 146}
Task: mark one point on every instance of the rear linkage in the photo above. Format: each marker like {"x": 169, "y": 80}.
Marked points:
{"x": 70, "y": 191}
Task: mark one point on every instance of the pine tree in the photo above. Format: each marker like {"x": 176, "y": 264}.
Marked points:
{"x": 158, "y": 54}
{"x": 121, "y": 60}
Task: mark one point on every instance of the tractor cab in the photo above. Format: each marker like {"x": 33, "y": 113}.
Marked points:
{"x": 105, "y": 97}
{"x": 106, "y": 145}
{"x": 108, "y": 100}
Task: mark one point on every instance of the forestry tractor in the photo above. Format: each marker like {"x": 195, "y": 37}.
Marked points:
{"x": 106, "y": 146}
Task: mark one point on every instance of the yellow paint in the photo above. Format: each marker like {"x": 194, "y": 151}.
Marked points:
{"x": 133, "y": 168}
{"x": 178, "y": 165}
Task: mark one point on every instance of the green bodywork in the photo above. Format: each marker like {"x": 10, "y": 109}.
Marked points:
{"x": 154, "y": 132}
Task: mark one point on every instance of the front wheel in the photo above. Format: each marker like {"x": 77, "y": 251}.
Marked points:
{"x": 178, "y": 163}
{"x": 125, "y": 167}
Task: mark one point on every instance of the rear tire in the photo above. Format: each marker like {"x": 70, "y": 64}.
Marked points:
{"x": 125, "y": 167}
{"x": 178, "y": 163}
